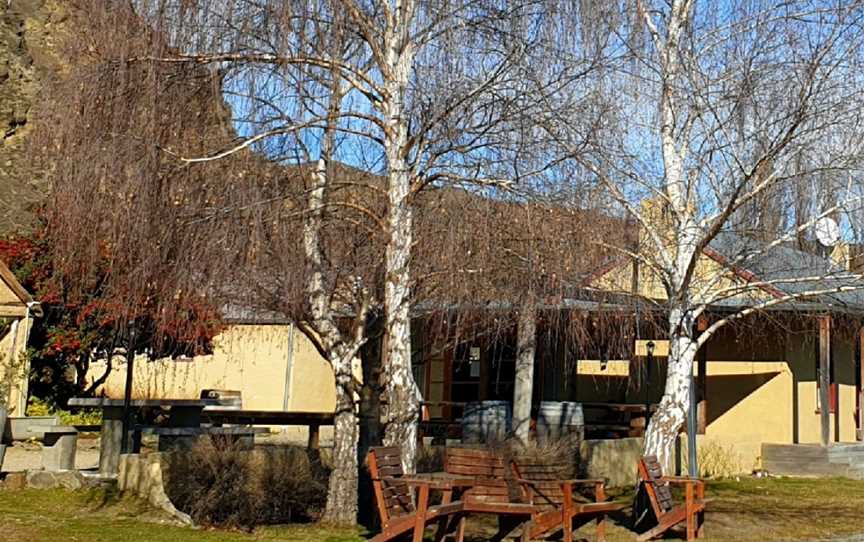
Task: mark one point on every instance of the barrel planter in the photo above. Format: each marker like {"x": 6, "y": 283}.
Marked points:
{"x": 557, "y": 420}
{"x": 486, "y": 422}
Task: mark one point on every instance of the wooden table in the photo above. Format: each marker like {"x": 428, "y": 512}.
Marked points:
{"x": 312, "y": 420}
{"x": 182, "y": 413}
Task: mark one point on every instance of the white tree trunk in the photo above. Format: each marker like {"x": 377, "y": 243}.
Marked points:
{"x": 671, "y": 413}
{"x": 523, "y": 387}
{"x": 341, "y": 505}
{"x": 403, "y": 396}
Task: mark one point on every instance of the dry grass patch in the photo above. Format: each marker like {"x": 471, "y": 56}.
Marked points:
{"x": 221, "y": 483}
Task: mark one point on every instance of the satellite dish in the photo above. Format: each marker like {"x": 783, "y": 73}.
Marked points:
{"x": 827, "y": 231}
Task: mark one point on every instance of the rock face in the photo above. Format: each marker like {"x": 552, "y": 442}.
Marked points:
{"x": 29, "y": 30}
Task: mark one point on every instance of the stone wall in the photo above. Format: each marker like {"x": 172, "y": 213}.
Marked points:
{"x": 615, "y": 460}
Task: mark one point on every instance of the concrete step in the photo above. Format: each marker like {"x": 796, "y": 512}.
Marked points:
{"x": 814, "y": 460}
{"x": 846, "y": 449}
{"x": 856, "y": 473}
{"x": 850, "y": 454}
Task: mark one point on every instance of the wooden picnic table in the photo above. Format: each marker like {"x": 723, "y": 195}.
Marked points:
{"x": 181, "y": 413}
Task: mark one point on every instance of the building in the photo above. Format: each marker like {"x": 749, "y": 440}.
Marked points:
{"x": 259, "y": 354}
{"x": 17, "y": 310}
{"x": 758, "y": 380}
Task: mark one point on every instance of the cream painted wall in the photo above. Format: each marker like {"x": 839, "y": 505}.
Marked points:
{"x": 253, "y": 359}
{"x": 749, "y": 402}
{"x": 802, "y": 357}
{"x": 312, "y": 385}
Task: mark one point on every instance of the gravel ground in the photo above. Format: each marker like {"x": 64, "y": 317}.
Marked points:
{"x": 28, "y": 455}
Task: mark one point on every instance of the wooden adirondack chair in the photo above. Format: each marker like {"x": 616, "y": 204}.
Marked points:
{"x": 533, "y": 493}
{"x": 657, "y": 488}
{"x": 397, "y": 508}
{"x": 556, "y": 498}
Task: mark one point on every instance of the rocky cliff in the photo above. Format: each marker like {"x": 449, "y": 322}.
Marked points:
{"x": 29, "y": 32}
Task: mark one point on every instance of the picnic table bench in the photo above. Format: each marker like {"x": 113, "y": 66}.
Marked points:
{"x": 181, "y": 413}
{"x": 59, "y": 443}
{"x": 397, "y": 509}
{"x": 184, "y": 424}
{"x": 312, "y": 420}
{"x": 618, "y": 420}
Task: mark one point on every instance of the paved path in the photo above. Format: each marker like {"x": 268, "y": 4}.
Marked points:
{"x": 28, "y": 455}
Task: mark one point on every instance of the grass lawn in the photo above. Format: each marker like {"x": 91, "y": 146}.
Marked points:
{"x": 749, "y": 509}
{"x": 91, "y": 516}
{"x": 760, "y": 510}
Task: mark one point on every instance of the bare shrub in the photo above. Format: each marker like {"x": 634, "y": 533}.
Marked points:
{"x": 554, "y": 458}
{"x": 714, "y": 460}
{"x": 430, "y": 458}
{"x": 219, "y": 483}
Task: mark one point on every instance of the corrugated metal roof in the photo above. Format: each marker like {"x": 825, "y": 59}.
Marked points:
{"x": 793, "y": 272}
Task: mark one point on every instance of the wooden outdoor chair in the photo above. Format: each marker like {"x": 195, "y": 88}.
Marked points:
{"x": 533, "y": 494}
{"x": 668, "y": 515}
{"x": 396, "y": 505}
{"x": 556, "y": 498}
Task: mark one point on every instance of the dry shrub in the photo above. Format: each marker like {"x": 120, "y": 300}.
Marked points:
{"x": 562, "y": 453}
{"x": 220, "y": 483}
{"x": 714, "y": 459}
{"x": 718, "y": 461}
{"x": 430, "y": 458}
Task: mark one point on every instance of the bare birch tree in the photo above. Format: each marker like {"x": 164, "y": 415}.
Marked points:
{"x": 419, "y": 91}
{"x": 194, "y": 212}
{"x": 429, "y": 90}
{"x": 714, "y": 111}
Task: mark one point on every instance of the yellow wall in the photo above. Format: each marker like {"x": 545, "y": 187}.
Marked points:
{"x": 311, "y": 381}
{"x": 802, "y": 357}
{"x": 748, "y": 403}
{"x": 751, "y": 386}
{"x": 253, "y": 359}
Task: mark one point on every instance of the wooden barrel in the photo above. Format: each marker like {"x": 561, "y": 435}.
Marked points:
{"x": 486, "y": 422}
{"x": 560, "y": 419}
